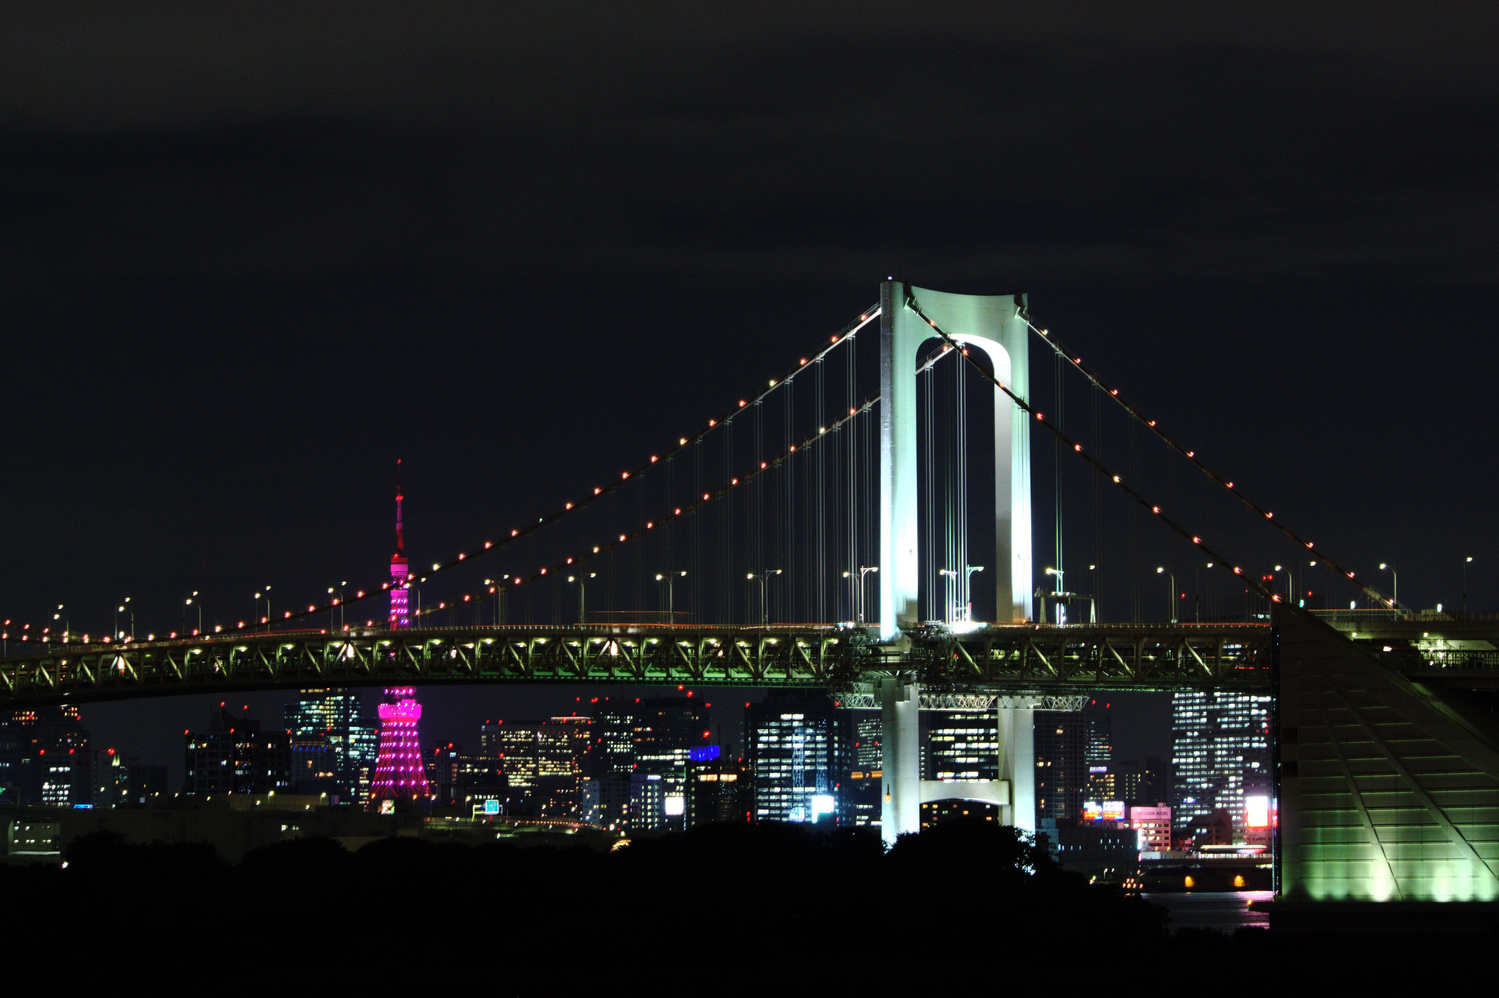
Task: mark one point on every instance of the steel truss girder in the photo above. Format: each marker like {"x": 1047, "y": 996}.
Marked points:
{"x": 1001, "y": 657}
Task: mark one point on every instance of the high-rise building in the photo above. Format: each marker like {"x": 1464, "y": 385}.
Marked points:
{"x": 108, "y": 778}
{"x": 400, "y": 589}
{"x": 866, "y": 772}
{"x": 611, "y": 758}
{"x": 798, "y": 751}
{"x": 335, "y": 744}
{"x": 43, "y": 754}
{"x": 1061, "y": 740}
{"x": 562, "y": 745}
{"x": 517, "y": 746}
{"x": 664, "y": 730}
{"x": 958, "y": 745}
{"x": 235, "y": 756}
{"x": 718, "y": 787}
{"x": 1221, "y": 754}
{"x": 399, "y": 771}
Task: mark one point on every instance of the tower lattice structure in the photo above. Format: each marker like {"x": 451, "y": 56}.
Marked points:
{"x": 400, "y": 588}
{"x": 399, "y": 773}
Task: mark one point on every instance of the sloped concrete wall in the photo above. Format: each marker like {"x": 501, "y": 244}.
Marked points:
{"x": 1387, "y": 793}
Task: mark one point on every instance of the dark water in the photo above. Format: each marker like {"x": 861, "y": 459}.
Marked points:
{"x": 1224, "y": 911}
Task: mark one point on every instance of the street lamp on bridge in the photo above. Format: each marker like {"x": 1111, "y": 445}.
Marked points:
{"x": 1160, "y": 570}
{"x": 266, "y": 595}
{"x": 760, "y": 578}
{"x": 125, "y": 607}
{"x": 859, "y": 588}
{"x": 669, "y": 578}
{"x": 66, "y": 627}
{"x": 1394, "y": 580}
{"x": 968, "y": 571}
{"x": 189, "y": 602}
{"x": 1465, "y": 584}
{"x": 582, "y": 593}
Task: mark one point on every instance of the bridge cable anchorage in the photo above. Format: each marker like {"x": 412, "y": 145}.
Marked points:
{"x": 1077, "y": 448}
{"x": 845, "y": 335}
{"x": 1191, "y": 455}
{"x": 647, "y": 527}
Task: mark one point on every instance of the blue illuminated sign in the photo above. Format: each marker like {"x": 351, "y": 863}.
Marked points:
{"x": 704, "y": 753}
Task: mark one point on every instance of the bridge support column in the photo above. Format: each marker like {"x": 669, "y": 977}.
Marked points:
{"x": 990, "y": 323}
{"x": 900, "y": 756}
{"x": 1017, "y": 766}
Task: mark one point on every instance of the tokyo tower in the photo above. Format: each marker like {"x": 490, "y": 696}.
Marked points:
{"x": 399, "y": 774}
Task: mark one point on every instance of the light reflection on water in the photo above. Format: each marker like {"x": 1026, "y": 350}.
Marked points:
{"x": 1223, "y": 911}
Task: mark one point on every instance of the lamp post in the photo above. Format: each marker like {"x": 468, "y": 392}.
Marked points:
{"x": 189, "y": 603}
{"x": 859, "y": 588}
{"x": 266, "y": 595}
{"x": 669, "y": 578}
{"x": 1163, "y": 570}
{"x": 66, "y": 627}
{"x": 1056, "y": 587}
{"x": 968, "y": 571}
{"x": 1394, "y": 580}
{"x": 124, "y": 607}
{"x": 760, "y": 578}
{"x": 582, "y": 594}
{"x": 952, "y": 581}
{"x": 1465, "y": 584}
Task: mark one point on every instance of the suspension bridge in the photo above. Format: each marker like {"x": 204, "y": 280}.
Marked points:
{"x": 825, "y": 531}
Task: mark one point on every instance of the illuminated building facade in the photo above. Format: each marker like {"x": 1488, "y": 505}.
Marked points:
{"x": 1153, "y": 825}
{"x": 663, "y": 732}
{"x": 798, "y": 749}
{"x": 399, "y": 770}
{"x": 861, "y": 794}
{"x": 517, "y": 746}
{"x": 400, "y": 589}
{"x": 335, "y": 745}
{"x": 45, "y": 757}
{"x": 1221, "y": 753}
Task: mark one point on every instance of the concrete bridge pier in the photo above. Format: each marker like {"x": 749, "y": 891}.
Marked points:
{"x": 904, "y": 791}
{"x": 899, "y": 697}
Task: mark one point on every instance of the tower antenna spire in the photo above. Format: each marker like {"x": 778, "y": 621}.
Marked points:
{"x": 400, "y": 613}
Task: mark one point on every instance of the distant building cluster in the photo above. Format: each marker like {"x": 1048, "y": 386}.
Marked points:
{"x": 638, "y": 765}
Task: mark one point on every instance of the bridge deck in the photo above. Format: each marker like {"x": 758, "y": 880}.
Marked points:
{"x": 836, "y": 656}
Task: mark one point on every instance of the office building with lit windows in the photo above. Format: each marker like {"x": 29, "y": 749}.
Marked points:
{"x": 798, "y": 749}
{"x": 865, "y": 777}
{"x": 1061, "y": 746}
{"x": 335, "y": 744}
{"x": 1221, "y": 755}
{"x": 44, "y": 756}
{"x": 236, "y": 756}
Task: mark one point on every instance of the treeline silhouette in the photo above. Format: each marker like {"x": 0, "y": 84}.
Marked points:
{"x": 726, "y": 909}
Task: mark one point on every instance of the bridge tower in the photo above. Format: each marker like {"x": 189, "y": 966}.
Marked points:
{"x": 993, "y": 324}
{"x": 990, "y": 323}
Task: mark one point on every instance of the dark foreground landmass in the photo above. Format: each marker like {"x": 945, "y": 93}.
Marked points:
{"x": 770, "y": 909}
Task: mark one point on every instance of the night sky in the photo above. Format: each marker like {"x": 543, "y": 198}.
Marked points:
{"x": 251, "y": 254}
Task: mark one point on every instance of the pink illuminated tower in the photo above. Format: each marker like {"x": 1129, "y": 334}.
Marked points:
{"x": 399, "y": 773}
{"x": 400, "y": 611}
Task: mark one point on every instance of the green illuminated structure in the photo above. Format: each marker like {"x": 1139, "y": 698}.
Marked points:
{"x": 1389, "y": 781}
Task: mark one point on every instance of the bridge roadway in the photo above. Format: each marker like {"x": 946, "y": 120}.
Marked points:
{"x": 996, "y": 657}
{"x": 836, "y": 656}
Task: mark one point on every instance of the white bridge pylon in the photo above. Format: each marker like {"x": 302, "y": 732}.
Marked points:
{"x": 990, "y": 323}
{"x": 993, "y": 324}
